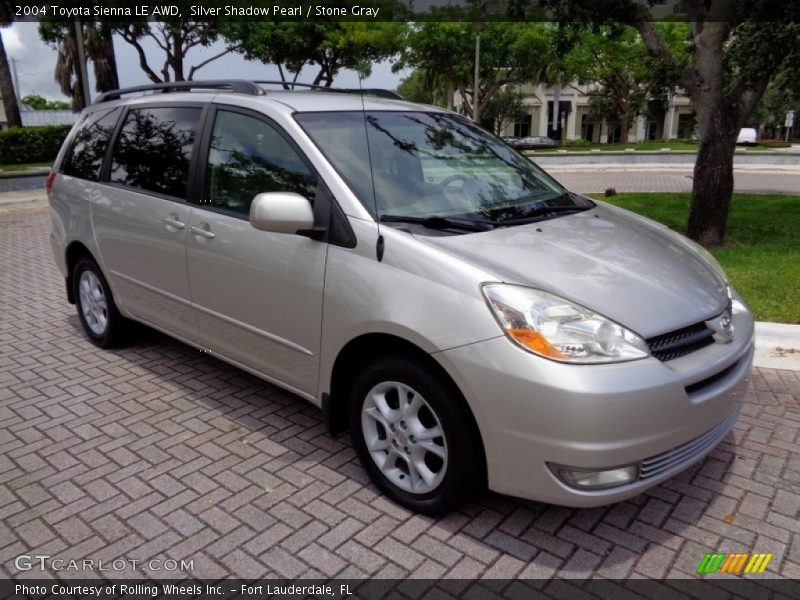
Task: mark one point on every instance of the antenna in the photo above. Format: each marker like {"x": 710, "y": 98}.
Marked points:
{"x": 379, "y": 246}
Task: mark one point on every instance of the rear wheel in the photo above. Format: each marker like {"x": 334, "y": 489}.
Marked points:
{"x": 101, "y": 321}
{"x": 414, "y": 435}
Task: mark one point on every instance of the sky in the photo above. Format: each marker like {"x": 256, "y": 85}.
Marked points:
{"x": 35, "y": 63}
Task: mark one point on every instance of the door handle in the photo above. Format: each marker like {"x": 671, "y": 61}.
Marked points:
{"x": 173, "y": 223}
{"x": 202, "y": 230}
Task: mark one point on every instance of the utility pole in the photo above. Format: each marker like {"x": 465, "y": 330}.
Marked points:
{"x": 17, "y": 91}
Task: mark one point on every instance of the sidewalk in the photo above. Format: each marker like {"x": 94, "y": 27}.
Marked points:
{"x": 777, "y": 344}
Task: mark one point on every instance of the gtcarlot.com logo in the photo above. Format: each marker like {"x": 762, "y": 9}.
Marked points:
{"x": 45, "y": 562}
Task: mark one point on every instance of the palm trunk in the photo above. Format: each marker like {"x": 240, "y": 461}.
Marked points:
{"x": 7, "y": 90}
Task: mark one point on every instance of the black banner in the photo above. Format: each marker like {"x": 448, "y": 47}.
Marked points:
{"x": 403, "y": 10}
{"x": 732, "y": 587}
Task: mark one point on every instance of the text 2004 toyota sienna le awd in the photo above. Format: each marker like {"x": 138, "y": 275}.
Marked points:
{"x": 469, "y": 320}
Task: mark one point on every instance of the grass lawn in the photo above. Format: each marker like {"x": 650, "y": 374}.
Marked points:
{"x": 24, "y": 167}
{"x": 762, "y": 246}
{"x": 648, "y": 147}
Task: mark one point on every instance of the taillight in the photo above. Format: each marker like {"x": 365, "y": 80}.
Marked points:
{"x": 51, "y": 177}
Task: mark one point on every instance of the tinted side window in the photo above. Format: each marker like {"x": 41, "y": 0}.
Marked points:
{"x": 84, "y": 158}
{"x": 154, "y": 149}
{"x": 247, "y": 157}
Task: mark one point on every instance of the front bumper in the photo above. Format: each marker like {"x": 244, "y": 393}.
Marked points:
{"x": 662, "y": 416}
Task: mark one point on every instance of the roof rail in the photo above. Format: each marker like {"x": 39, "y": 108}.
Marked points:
{"x": 239, "y": 86}
{"x": 382, "y": 93}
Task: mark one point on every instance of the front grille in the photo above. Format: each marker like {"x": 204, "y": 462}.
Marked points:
{"x": 687, "y": 453}
{"x": 680, "y": 342}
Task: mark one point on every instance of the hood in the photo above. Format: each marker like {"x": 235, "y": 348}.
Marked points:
{"x": 623, "y": 266}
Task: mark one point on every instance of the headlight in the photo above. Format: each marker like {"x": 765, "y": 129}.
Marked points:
{"x": 556, "y": 328}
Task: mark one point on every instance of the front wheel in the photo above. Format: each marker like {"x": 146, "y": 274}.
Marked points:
{"x": 414, "y": 435}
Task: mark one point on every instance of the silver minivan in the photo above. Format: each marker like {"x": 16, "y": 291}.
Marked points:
{"x": 470, "y": 322}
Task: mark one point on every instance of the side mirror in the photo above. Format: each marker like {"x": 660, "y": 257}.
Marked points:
{"x": 281, "y": 212}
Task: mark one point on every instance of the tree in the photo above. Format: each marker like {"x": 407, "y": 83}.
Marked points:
{"x": 330, "y": 46}
{"x": 732, "y": 52}
{"x": 99, "y": 48}
{"x": 7, "y": 91}
{"x": 504, "y": 108}
{"x": 175, "y": 37}
{"x": 782, "y": 95}
{"x": 417, "y": 88}
{"x": 619, "y": 71}
{"x": 37, "y": 102}
{"x": 509, "y": 53}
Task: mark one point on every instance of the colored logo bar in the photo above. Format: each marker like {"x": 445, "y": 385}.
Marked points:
{"x": 734, "y": 564}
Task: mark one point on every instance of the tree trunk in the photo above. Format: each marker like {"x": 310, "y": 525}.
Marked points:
{"x": 7, "y": 90}
{"x": 100, "y": 51}
{"x": 623, "y": 127}
{"x": 712, "y": 190}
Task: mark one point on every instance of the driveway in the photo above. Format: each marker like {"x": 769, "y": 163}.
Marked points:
{"x": 157, "y": 452}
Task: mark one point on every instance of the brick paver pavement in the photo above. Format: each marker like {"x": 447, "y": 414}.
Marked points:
{"x": 158, "y": 451}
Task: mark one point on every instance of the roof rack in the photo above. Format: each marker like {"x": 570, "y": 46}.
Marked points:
{"x": 382, "y": 93}
{"x": 239, "y": 86}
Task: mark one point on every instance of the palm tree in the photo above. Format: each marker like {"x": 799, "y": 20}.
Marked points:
{"x": 100, "y": 50}
{"x": 99, "y": 46}
{"x": 6, "y": 82}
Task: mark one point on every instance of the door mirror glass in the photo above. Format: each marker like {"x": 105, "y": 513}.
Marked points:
{"x": 281, "y": 212}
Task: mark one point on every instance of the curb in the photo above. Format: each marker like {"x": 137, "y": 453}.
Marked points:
{"x": 43, "y": 171}
{"x": 777, "y": 346}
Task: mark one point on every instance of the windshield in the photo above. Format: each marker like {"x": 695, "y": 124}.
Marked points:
{"x": 434, "y": 165}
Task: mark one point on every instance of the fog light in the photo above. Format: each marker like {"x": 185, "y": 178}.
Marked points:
{"x": 593, "y": 479}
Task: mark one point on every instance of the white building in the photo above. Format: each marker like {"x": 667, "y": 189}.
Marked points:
{"x": 573, "y": 115}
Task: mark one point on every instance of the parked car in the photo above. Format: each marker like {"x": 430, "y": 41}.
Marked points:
{"x": 535, "y": 143}
{"x": 747, "y": 137}
{"x": 467, "y": 318}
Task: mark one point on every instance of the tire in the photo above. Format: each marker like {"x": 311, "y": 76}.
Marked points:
{"x": 449, "y": 467}
{"x": 103, "y": 324}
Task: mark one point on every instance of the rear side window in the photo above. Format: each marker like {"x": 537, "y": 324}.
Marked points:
{"x": 248, "y": 157}
{"x": 154, "y": 149}
{"x": 84, "y": 158}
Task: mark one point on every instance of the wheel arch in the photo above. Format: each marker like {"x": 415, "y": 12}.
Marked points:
{"x": 75, "y": 251}
{"x": 366, "y": 347}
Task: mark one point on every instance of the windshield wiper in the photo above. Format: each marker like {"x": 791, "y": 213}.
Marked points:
{"x": 531, "y": 215}
{"x": 439, "y": 222}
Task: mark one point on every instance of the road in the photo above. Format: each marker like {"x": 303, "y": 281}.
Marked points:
{"x": 593, "y": 180}
{"x": 17, "y": 184}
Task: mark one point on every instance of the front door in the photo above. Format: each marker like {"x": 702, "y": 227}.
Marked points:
{"x": 257, "y": 295}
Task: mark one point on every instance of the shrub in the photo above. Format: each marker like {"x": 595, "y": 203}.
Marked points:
{"x": 31, "y": 144}
{"x": 578, "y": 143}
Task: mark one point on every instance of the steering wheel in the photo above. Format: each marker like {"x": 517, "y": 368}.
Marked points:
{"x": 447, "y": 181}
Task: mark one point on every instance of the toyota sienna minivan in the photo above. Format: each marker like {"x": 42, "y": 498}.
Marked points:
{"x": 470, "y": 321}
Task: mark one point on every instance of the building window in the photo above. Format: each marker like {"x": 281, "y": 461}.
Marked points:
{"x": 587, "y": 128}
{"x": 686, "y": 123}
{"x": 523, "y": 128}
{"x": 614, "y": 132}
